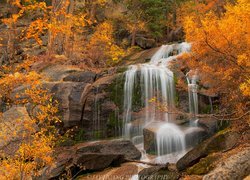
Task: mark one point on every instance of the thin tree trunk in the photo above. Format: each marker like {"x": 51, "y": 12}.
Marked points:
{"x": 133, "y": 37}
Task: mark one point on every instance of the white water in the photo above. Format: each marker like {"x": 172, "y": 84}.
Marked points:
{"x": 170, "y": 139}
{"x": 156, "y": 82}
{"x": 193, "y": 97}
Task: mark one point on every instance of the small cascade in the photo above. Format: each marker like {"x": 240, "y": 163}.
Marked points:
{"x": 170, "y": 139}
{"x": 156, "y": 82}
{"x": 193, "y": 95}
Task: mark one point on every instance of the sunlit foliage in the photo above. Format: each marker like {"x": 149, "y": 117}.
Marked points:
{"x": 221, "y": 50}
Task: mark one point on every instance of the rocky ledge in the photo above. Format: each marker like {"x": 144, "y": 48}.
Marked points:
{"x": 90, "y": 157}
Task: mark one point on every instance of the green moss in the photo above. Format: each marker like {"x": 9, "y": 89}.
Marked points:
{"x": 97, "y": 134}
{"x": 121, "y": 69}
{"x": 80, "y": 136}
{"x": 204, "y": 165}
{"x": 206, "y": 109}
{"x": 116, "y": 90}
{"x": 113, "y": 121}
{"x": 137, "y": 103}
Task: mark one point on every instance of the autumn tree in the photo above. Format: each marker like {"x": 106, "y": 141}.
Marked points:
{"x": 17, "y": 10}
{"x": 221, "y": 51}
{"x": 34, "y": 134}
{"x": 102, "y": 49}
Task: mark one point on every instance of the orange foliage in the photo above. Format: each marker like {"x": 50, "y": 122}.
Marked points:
{"x": 102, "y": 46}
{"x": 221, "y": 50}
{"x": 37, "y": 135}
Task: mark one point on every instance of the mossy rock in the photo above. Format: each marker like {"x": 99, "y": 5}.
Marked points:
{"x": 221, "y": 141}
{"x": 204, "y": 166}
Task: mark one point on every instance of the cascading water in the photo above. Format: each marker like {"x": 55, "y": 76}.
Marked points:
{"x": 156, "y": 82}
{"x": 193, "y": 96}
{"x": 169, "y": 139}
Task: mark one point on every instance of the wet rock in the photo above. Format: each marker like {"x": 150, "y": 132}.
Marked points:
{"x": 209, "y": 124}
{"x": 195, "y": 135}
{"x": 149, "y": 134}
{"x": 157, "y": 173}
{"x": 235, "y": 167}
{"x": 102, "y": 107}
{"x": 123, "y": 147}
{"x": 221, "y": 141}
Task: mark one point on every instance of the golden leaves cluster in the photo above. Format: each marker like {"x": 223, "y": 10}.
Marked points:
{"x": 35, "y": 135}
{"x": 221, "y": 48}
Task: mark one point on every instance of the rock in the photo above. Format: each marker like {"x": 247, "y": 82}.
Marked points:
{"x": 12, "y": 124}
{"x": 195, "y": 135}
{"x": 58, "y": 72}
{"x": 125, "y": 172}
{"x": 204, "y": 165}
{"x": 69, "y": 96}
{"x": 81, "y": 76}
{"x": 102, "y": 106}
{"x": 145, "y": 43}
{"x": 122, "y": 147}
{"x": 90, "y": 157}
{"x": 221, "y": 141}
{"x": 175, "y": 35}
{"x": 149, "y": 137}
{"x": 235, "y": 167}
{"x": 209, "y": 124}
{"x": 98, "y": 161}
{"x": 157, "y": 173}
{"x": 142, "y": 56}
{"x": 56, "y": 170}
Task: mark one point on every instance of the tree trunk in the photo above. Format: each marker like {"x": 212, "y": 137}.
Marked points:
{"x": 133, "y": 38}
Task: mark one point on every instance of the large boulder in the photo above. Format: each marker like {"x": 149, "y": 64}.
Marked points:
{"x": 69, "y": 96}
{"x": 111, "y": 147}
{"x": 87, "y": 157}
{"x": 221, "y": 141}
{"x": 235, "y": 167}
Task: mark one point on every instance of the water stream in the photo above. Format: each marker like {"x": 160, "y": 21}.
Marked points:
{"x": 155, "y": 82}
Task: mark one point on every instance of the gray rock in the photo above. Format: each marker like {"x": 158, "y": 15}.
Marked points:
{"x": 90, "y": 156}
{"x": 81, "y": 76}
{"x": 220, "y": 141}
{"x": 235, "y": 167}
{"x": 122, "y": 147}
{"x": 97, "y": 161}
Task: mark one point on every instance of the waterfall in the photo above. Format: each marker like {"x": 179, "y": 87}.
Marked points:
{"x": 193, "y": 97}
{"x": 156, "y": 82}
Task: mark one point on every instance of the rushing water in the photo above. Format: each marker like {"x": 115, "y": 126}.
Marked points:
{"x": 156, "y": 83}
{"x": 170, "y": 139}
